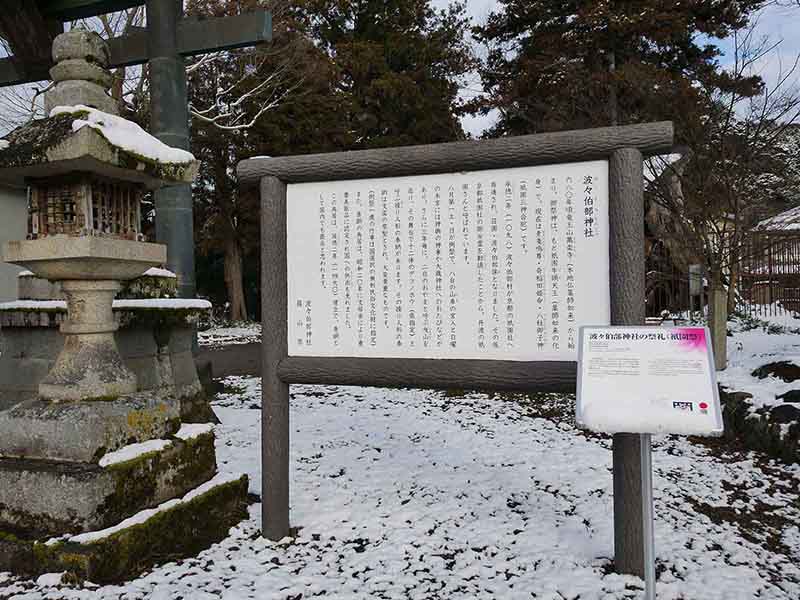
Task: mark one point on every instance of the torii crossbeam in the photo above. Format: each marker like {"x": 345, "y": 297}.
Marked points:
{"x": 194, "y": 36}
{"x": 168, "y": 38}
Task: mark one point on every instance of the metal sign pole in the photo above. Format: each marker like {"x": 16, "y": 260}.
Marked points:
{"x": 647, "y": 517}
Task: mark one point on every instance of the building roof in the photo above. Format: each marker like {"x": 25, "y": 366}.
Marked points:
{"x": 786, "y": 221}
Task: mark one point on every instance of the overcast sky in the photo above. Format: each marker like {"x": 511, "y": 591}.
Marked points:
{"x": 778, "y": 23}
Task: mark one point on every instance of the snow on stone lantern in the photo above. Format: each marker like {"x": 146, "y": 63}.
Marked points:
{"x": 86, "y": 170}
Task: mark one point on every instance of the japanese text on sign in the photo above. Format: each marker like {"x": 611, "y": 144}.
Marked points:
{"x": 503, "y": 264}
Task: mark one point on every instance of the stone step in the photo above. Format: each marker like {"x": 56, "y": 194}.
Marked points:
{"x": 83, "y": 431}
{"x": 176, "y": 529}
{"x": 40, "y": 498}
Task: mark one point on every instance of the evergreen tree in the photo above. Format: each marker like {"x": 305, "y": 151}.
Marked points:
{"x": 585, "y": 63}
{"x": 399, "y": 62}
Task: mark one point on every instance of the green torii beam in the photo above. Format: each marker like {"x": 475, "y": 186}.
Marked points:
{"x": 194, "y": 36}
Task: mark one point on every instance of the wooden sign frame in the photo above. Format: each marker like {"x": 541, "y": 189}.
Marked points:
{"x": 624, "y": 148}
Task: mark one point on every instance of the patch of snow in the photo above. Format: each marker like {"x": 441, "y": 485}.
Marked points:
{"x": 156, "y": 272}
{"x": 154, "y": 303}
{"x": 34, "y": 305}
{"x": 125, "y": 134}
{"x": 50, "y": 579}
{"x": 748, "y": 350}
{"x": 791, "y": 538}
{"x": 246, "y": 333}
{"x": 133, "y": 451}
{"x": 786, "y": 221}
{"x": 146, "y": 515}
{"x": 26, "y": 274}
{"x": 189, "y": 431}
{"x": 164, "y": 303}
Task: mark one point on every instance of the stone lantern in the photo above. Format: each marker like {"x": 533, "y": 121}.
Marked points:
{"x": 101, "y": 475}
{"x": 86, "y": 171}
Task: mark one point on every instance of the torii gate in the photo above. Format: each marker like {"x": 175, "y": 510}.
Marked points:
{"x": 164, "y": 43}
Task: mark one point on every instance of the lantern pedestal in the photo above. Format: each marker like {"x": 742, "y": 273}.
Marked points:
{"x": 89, "y": 367}
{"x": 90, "y": 270}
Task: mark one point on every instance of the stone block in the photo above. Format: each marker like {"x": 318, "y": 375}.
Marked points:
{"x": 84, "y": 258}
{"x": 80, "y": 44}
{"x": 184, "y": 370}
{"x": 41, "y": 499}
{"x": 181, "y": 340}
{"x": 85, "y": 93}
{"x": 78, "y": 69}
{"x": 27, "y": 343}
{"x": 197, "y": 409}
{"x": 35, "y": 288}
{"x": 83, "y": 431}
{"x": 22, "y": 375}
{"x": 146, "y": 372}
{"x": 183, "y": 530}
{"x": 136, "y": 342}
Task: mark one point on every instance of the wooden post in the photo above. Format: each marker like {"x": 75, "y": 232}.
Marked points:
{"x": 626, "y": 222}
{"x": 719, "y": 323}
{"x": 275, "y": 393}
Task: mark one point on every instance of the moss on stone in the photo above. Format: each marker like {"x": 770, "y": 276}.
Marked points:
{"x": 180, "y": 532}
{"x": 29, "y": 144}
{"x": 146, "y": 423}
{"x": 152, "y": 478}
{"x": 197, "y": 409}
{"x": 158, "y": 318}
{"x": 184, "y": 530}
{"x": 146, "y": 287}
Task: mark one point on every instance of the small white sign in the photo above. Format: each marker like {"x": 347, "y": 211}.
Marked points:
{"x": 496, "y": 265}
{"x": 647, "y": 380}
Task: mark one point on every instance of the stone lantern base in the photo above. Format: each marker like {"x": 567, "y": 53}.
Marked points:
{"x": 187, "y": 527}
{"x": 105, "y": 490}
{"x": 66, "y": 503}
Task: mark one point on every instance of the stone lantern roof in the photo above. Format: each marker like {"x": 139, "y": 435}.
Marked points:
{"x": 83, "y": 133}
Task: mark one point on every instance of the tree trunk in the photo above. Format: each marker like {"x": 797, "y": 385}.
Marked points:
{"x": 234, "y": 281}
{"x": 732, "y": 287}
{"x": 718, "y": 321}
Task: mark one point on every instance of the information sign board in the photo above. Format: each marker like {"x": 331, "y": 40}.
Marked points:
{"x": 647, "y": 380}
{"x": 497, "y": 264}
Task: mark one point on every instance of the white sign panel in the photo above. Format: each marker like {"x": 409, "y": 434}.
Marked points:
{"x": 503, "y": 264}
{"x": 648, "y": 380}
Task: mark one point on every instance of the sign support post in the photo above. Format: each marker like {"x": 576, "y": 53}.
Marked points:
{"x": 648, "y": 523}
{"x": 626, "y": 223}
{"x": 274, "y": 390}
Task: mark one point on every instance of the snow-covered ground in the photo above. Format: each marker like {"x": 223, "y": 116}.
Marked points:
{"x": 775, "y": 339}
{"x": 243, "y": 333}
{"x": 423, "y": 495}
{"x": 415, "y": 494}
